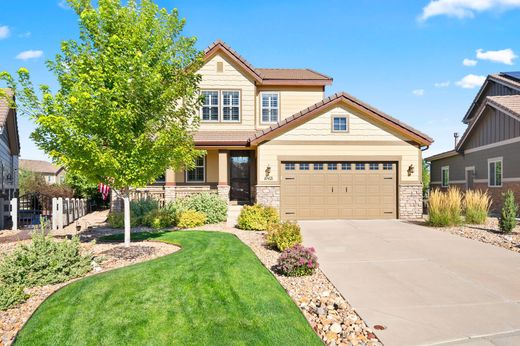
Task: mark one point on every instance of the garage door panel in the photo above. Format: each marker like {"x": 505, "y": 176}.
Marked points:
{"x": 340, "y": 193}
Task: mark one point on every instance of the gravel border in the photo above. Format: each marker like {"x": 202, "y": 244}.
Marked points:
{"x": 326, "y": 310}
{"x": 488, "y": 233}
{"x": 107, "y": 256}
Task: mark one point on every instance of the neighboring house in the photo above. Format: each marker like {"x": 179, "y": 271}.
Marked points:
{"x": 9, "y": 152}
{"x": 51, "y": 174}
{"x": 273, "y": 138}
{"x": 487, "y": 157}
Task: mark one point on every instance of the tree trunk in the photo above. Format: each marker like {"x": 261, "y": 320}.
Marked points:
{"x": 126, "y": 202}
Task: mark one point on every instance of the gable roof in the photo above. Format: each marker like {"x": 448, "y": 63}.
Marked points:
{"x": 269, "y": 76}
{"x": 9, "y": 121}
{"x": 500, "y": 78}
{"x": 39, "y": 166}
{"x": 509, "y": 104}
{"x": 342, "y": 98}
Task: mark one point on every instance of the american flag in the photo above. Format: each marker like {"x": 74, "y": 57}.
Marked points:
{"x": 104, "y": 190}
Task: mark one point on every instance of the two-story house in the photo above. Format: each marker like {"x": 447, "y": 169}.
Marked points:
{"x": 487, "y": 157}
{"x": 50, "y": 173}
{"x": 9, "y": 152}
{"x": 273, "y": 137}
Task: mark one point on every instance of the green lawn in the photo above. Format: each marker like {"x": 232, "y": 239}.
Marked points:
{"x": 213, "y": 291}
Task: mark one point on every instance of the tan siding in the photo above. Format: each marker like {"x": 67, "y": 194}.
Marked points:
{"x": 360, "y": 128}
{"x": 292, "y": 100}
{"x": 318, "y": 130}
{"x": 211, "y": 169}
{"x": 230, "y": 79}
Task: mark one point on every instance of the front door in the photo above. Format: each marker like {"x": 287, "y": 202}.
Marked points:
{"x": 470, "y": 178}
{"x": 239, "y": 176}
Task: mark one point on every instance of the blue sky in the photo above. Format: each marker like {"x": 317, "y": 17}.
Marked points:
{"x": 403, "y": 57}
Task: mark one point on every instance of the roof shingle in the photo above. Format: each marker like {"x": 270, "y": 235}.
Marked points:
{"x": 38, "y": 166}
{"x": 509, "y": 103}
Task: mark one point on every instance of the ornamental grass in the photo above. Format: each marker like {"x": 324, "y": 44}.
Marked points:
{"x": 476, "y": 206}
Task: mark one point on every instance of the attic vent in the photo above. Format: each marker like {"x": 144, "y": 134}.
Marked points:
{"x": 220, "y": 66}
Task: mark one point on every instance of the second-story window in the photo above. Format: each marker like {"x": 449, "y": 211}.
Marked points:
{"x": 210, "y": 105}
{"x": 231, "y": 106}
{"x": 270, "y": 107}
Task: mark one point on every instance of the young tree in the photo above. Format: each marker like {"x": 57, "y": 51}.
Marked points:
{"x": 128, "y": 89}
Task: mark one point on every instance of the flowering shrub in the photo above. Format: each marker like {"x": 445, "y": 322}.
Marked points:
{"x": 297, "y": 261}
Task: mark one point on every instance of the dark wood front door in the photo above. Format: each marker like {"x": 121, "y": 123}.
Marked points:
{"x": 240, "y": 176}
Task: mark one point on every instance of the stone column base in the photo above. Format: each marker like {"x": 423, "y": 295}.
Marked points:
{"x": 268, "y": 195}
{"x": 170, "y": 193}
{"x": 410, "y": 201}
{"x": 223, "y": 192}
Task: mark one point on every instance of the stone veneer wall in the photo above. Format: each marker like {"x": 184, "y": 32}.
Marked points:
{"x": 223, "y": 192}
{"x": 410, "y": 201}
{"x": 268, "y": 195}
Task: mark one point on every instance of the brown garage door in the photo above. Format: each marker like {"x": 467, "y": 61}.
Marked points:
{"x": 338, "y": 190}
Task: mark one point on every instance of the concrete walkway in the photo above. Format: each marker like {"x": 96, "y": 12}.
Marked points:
{"x": 426, "y": 286}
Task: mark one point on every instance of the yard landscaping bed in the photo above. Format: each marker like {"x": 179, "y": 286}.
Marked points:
{"x": 329, "y": 314}
{"x": 487, "y": 233}
{"x": 214, "y": 291}
{"x": 107, "y": 256}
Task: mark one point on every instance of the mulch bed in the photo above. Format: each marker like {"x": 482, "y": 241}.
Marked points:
{"x": 488, "y": 233}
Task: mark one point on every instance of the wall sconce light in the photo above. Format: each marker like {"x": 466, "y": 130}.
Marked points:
{"x": 268, "y": 173}
{"x": 411, "y": 169}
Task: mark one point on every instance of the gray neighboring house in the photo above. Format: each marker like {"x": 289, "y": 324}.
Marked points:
{"x": 487, "y": 157}
{"x": 51, "y": 174}
{"x": 9, "y": 152}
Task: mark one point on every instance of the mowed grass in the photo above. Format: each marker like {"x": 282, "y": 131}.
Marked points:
{"x": 212, "y": 292}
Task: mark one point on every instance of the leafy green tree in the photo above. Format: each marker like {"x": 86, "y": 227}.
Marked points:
{"x": 127, "y": 91}
{"x": 425, "y": 177}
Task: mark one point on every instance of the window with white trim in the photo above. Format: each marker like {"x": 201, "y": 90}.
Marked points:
{"x": 198, "y": 173}
{"x": 290, "y": 166}
{"x": 387, "y": 166}
{"x": 332, "y": 166}
{"x": 231, "y": 106}
{"x": 445, "y": 176}
{"x": 318, "y": 166}
{"x": 346, "y": 166}
{"x": 269, "y": 107}
{"x": 304, "y": 166}
{"x": 209, "y": 106}
{"x": 339, "y": 124}
{"x": 495, "y": 172}
{"x": 360, "y": 166}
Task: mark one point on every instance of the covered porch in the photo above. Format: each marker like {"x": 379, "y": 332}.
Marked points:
{"x": 229, "y": 171}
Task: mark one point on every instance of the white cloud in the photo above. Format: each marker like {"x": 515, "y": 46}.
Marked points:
{"x": 469, "y": 62}
{"x": 471, "y": 81}
{"x": 442, "y": 84}
{"x": 63, "y": 4}
{"x": 4, "y": 32}
{"x": 418, "y": 92}
{"x": 29, "y": 54}
{"x": 504, "y": 56}
{"x": 465, "y": 8}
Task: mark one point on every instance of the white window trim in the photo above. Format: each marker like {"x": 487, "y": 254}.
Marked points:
{"x": 466, "y": 170}
{"x": 347, "y": 123}
{"x": 203, "y": 175}
{"x": 221, "y": 99}
{"x": 445, "y": 168}
{"x": 494, "y": 160}
{"x": 262, "y": 108}
{"x": 218, "y": 107}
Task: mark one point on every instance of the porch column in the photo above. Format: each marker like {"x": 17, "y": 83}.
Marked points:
{"x": 169, "y": 186}
{"x": 223, "y": 176}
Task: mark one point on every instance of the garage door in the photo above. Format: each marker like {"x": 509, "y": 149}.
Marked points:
{"x": 338, "y": 190}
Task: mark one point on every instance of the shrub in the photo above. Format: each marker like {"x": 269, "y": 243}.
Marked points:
{"x": 211, "y": 204}
{"x": 476, "y": 206}
{"x": 116, "y": 220}
{"x": 284, "y": 235}
{"x": 160, "y": 218}
{"x": 257, "y": 217}
{"x": 445, "y": 208}
{"x": 297, "y": 261}
{"x": 508, "y": 213}
{"x": 190, "y": 218}
{"x": 44, "y": 261}
{"x": 11, "y": 295}
{"x": 140, "y": 208}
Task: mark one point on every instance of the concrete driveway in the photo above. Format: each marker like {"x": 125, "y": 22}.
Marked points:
{"x": 426, "y": 286}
